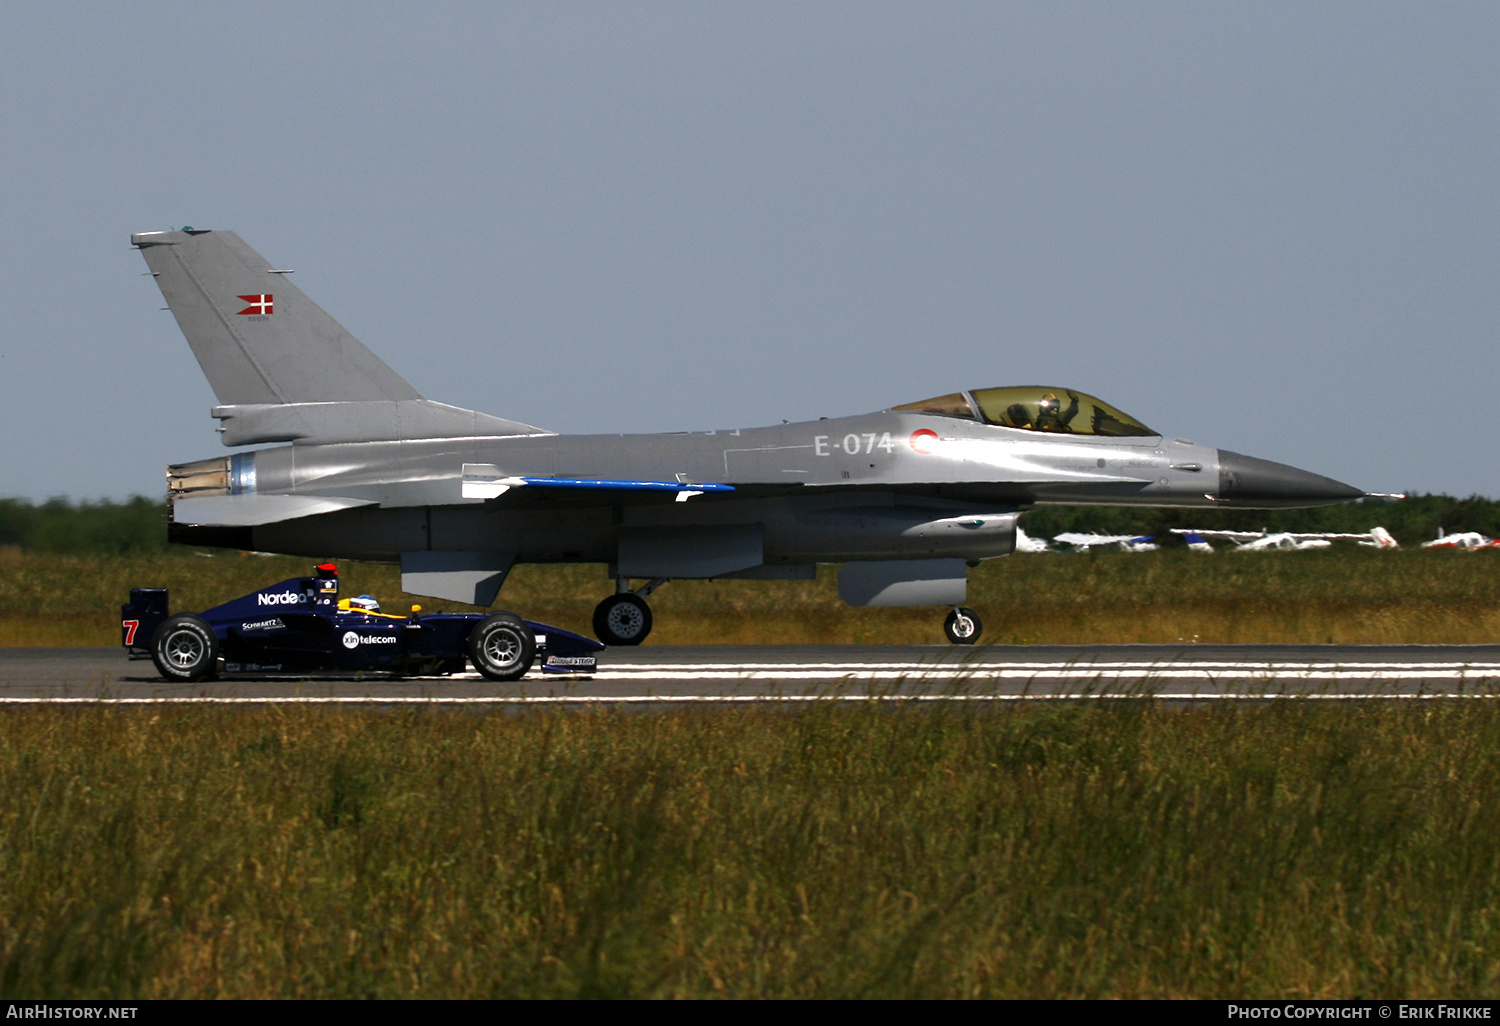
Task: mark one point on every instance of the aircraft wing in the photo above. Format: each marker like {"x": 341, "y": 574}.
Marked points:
{"x": 1376, "y": 537}
{"x": 1283, "y": 540}
{"x": 1238, "y": 537}
{"x": 1084, "y": 540}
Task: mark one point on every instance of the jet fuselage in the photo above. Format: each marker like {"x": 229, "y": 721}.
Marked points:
{"x": 875, "y": 486}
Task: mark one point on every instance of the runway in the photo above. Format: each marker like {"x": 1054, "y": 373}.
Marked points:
{"x": 664, "y": 675}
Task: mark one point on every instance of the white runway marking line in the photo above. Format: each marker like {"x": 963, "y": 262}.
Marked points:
{"x": 917, "y": 672}
{"x": 972, "y": 673}
{"x": 640, "y": 668}
{"x": 1049, "y": 665}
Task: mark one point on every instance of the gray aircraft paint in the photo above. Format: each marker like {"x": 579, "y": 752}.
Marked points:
{"x": 375, "y": 471}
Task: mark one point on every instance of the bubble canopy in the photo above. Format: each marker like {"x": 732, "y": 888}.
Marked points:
{"x": 1034, "y": 408}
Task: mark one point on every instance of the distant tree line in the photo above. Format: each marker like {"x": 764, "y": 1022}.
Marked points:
{"x": 139, "y": 525}
{"x": 65, "y": 527}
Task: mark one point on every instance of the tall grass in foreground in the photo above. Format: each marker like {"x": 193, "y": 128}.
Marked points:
{"x": 1120, "y": 850}
{"x": 1343, "y": 595}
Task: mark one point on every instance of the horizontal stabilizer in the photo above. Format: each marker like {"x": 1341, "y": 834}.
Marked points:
{"x": 374, "y": 421}
{"x": 254, "y": 510}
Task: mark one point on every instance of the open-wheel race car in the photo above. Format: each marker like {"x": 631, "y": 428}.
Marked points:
{"x": 301, "y": 625}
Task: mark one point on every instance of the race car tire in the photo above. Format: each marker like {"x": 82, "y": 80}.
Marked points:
{"x": 963, "y": 626}
{"x": 622, "y": 620}
{"x": 185, "y": 649}
{"x": 502, "y": 647}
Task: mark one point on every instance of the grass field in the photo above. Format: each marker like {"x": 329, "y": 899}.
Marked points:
{"x": 1095, "y": 850}
{"x": 1343, "y": 595}
{"x": 1105, "y": 849}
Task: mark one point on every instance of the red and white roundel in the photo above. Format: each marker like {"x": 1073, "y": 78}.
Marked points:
{"x": 925, "y": 441}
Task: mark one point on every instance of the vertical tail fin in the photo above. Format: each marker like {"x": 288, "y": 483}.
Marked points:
{"x": 258, "y": 338}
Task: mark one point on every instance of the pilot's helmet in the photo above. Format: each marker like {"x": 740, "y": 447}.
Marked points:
{"x": 1049, "y": 404}
{"x": 364, "y": 603}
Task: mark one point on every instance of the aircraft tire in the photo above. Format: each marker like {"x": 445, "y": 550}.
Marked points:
{"x": 963, "y": 626}
{"x": 622, "y": 620}
{"x": 185, "y": 649}
{"x": 502, "y": 647}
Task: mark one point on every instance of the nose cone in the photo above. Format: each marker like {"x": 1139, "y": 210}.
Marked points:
{"x": 1261, "y": 484}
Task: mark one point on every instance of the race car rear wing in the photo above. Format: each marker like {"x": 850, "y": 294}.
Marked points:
{"x": 140, "y": 617}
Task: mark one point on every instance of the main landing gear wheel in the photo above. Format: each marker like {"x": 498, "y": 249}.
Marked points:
{"x": 622, "y": 620}
{"x": 963, "y": 626}
{"x": 502, "y": 647}
{"x": 185, "y": 649}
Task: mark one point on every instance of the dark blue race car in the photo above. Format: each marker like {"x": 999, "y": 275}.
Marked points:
{"x": 301, "y": 625}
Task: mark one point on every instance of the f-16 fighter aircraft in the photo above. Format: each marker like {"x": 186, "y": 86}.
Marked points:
{"x": 361, "y": 466}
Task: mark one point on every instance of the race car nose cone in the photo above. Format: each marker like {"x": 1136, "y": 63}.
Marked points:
{"x": 1247, "y": 481}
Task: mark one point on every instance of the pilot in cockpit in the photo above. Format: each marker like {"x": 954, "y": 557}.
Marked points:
{"x": 1050, "y": 415}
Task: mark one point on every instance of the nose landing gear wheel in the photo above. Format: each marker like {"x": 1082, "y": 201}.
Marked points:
{"x": 963, "y": 626}
{"x": 622, "y": 620}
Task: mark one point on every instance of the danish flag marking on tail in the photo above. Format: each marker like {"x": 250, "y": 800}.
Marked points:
{"x": 259, "y": 305}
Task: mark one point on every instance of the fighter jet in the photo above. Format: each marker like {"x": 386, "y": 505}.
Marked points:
{"x": 356, "y": 463}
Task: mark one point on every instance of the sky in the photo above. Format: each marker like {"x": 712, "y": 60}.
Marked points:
{"x": 1266, "y": 227}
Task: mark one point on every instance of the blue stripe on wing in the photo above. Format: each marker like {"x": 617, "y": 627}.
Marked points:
{"x": 629, "y": 486}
